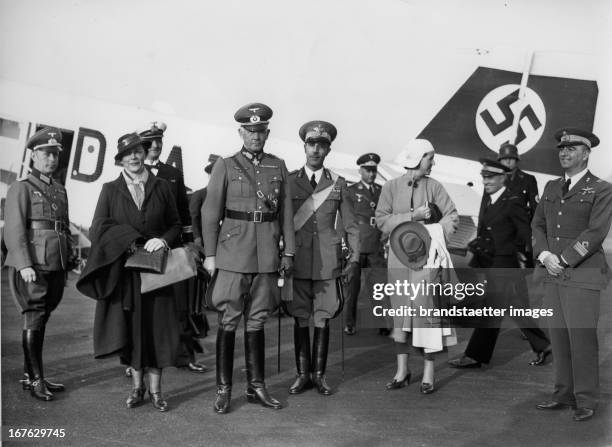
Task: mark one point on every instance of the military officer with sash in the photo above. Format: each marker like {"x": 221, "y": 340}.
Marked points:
{"x": 37, "y": 236}
{"x": 363, "y": 197}
{"x": 569, "y": 227}
{"x": 249, "y": 193}
{"x": 320, "y": 197}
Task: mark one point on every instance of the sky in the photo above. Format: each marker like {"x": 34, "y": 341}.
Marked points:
{"x": 379, "y": 70}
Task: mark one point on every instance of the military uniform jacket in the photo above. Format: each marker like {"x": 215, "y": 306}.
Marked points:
{"x": 319, "y": 243}
{"x": 37, "y": 198}
{"x": 195, "y": 207}
{"x": 246, "y": 246}
{"x": 574, "y": 226}
{"x": 177, "y": 186}
{"x": 364, "y": 204}
{"x": 503, "y": 227}
{"x": 526, "y": 187}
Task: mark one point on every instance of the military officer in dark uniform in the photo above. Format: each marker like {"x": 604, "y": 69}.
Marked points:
{"x": 195, "y": 206}
{"x": 500, "y": 246}
{"x": 520, "y": 183}
{"x": 319, "y": 197}
{"x": 363, "y": 197}
{"x": 249, "y": 193}
{"x": 37, "y": 237}
{"x": 569, "y": 226}
{"x": 153, "y": 141}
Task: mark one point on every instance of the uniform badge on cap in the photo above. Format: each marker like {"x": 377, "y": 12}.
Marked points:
{"x": 46, "y": 137}
{"x": 572, "y": 136}
{"x": 492, "y": 167}
{"x": 368, "y": 160}
{"x": 254, "y": 116}
{"x": 314, "y": 131}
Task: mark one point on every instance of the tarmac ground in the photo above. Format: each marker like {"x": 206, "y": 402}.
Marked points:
{"x": 494, "y": 405}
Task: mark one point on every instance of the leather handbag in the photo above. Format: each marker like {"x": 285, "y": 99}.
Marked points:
{"x": 145, "y": 261}
{"x": 180, "y": 265}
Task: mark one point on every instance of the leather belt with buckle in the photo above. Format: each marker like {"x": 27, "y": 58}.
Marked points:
{"x": 55, "y": 225}
{"x": 251, "y": 216}
{"x": 371, "y": 222}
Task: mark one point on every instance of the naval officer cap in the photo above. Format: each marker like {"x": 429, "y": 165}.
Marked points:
{"x": 254, "y": 116}
{"x": 572, "y": 136}
{"x": 316, "y": 131}
{"x": 508, "y": 150}
{"x": 368, "y": 161}
{"x": 491, "y": 168}
{"x": 47, "y": 137}
{"x": 156, "y": 132}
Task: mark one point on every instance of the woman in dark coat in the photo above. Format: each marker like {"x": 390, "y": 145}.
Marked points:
{"x": 140, "y": 328}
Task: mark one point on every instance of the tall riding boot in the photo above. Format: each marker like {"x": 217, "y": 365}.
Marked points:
{"x": 254, "y": 351}
{"x": 53, "y": 387}
{"x": 225, "y": 367}
{"x": 301, "y": 342}
{"x": 31, "y": 345}
{"x": 320, "y": 346}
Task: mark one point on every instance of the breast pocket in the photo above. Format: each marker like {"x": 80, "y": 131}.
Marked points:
{"x": 37, "y": 204}
{"x": 227, "y": 234}
{"x": 239, "y": 186}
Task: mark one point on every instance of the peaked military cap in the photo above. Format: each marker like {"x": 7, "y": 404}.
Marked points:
{"x": 492, "y": 167}
{"x": 314, "y": 131}
{"x": 254, "y": 116}
{"x": 508, "y": 150}
{"x": 156, "y": 132}
{"x": 571, "y": 136}
{"x": 368, "y": 160}
{"x": 46, "y": 137}
{"x": 126, "y": 143}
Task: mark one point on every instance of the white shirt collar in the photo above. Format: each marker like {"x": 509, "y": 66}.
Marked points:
{"x": 369, "y": 187}
{"x": 317, "y": 174}
{"x": 576, "y": 177}
{"x": 153, "y": 163}
{"x": 496, "y": 195}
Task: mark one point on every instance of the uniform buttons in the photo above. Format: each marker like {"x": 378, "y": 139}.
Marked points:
{"x": 558, "y": 226}
{"x": 259, "y": 183}
{"x": 257, "y": 172}
{"x": 562, "y": 201}
{"x": 560, "y": 213}
{"x": 228, "y": 235}
{"x": 489, "y": 228}
{"x": 259, "y": 207}
{"x": 557, "y": 238}
{"x": 314, "y": 232}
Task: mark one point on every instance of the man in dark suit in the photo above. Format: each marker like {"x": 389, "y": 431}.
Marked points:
{"x": 500, "y": 246}
{"x": 363, "y": 197}
{"x": 153, "y": 140}
{"x": 569, "y": 227}
{"x": 520, "y": 183}
{"x": 319, "y": 197}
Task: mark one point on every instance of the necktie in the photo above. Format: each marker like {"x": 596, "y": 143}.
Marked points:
{"x": 566, "y": 186}
{"x": 139, "y": 194}
{"x": 313, "y": 182}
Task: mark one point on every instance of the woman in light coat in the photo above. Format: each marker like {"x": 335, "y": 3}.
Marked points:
{"x": 407, "y": 199}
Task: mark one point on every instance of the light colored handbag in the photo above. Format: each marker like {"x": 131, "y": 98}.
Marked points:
{"x": 181, "y": 265}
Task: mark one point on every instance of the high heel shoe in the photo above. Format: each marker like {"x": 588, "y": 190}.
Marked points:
{"x": 427, "y": 388}
{"x": 158, "y": 401}
{"x": 135, "y": 398}
{"x": 397, "y": 384}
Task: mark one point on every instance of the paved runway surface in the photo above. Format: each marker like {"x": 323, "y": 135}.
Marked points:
{"x": 491, "y": 406}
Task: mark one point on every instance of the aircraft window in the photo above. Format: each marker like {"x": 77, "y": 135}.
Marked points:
{"x": 9, "y": 129}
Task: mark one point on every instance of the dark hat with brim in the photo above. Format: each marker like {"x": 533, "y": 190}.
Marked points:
{"x": 508, "y": 150}
{"x": 369, "y": 160}
{"x": 491, "y": 168}
{"x": 126, "y": 143}
{"x": 410, "y": 242}
{"x": 572, "y": 136}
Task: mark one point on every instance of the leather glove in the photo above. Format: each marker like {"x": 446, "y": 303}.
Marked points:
{"x": 286, "y": 265}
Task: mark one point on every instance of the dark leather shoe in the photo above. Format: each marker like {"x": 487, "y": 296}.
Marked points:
{"x": 321, "y": 385}
{"x": 541, "y": 357}
{"x": 223, "y": 399}
{"x": 349, "y": 330}
{"x": 397, "y": 384}
{"x": 301, "y": 384}
{"x": 135, "y": 398}
{"x": 197, "y": 367}
{"x": 552, "y": 405}
{"x": 582, "y": 414}
{"x": 464, "y": 362}
{"x": 384, "y": 331}
{"x": 158, "y": 401}
{"x": 261, "y": 396}
{"x": 26, "y": 384}
{"x": 427, "y": 388}
{"x": 38, "y": 389}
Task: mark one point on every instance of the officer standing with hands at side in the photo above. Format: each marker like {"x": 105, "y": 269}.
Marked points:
{"x": 37, "y": 236}
{"x": 363, "y": 197}
{"x": 319, "y": 197}
{"x": 569, "y": 227}
{"x": 249, "y": 192}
